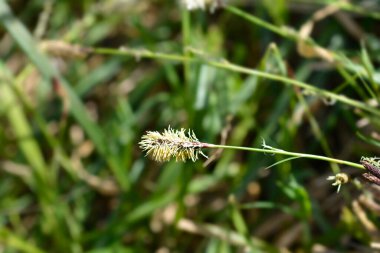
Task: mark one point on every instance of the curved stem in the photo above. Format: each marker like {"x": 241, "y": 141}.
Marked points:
{"x": 223, "y": 64}
{"x": 289, "y": 81}
{"x": 283, "y": 152}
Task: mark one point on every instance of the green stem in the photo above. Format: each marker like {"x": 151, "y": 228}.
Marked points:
{"x": 260, "y": 22}
{"x": 224, "y": 64}
{"x": 140, "y": 53}
{"x": 283, "y": 152}
{"x": 186, "y": 30}
{"x": 286, "y": 80}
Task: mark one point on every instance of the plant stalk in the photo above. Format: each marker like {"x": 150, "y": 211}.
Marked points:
{"x": 288, "y": 153}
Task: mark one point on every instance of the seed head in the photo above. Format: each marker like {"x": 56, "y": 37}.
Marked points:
{"x": 372, "y": 165}
{"x": 171, "y": 143}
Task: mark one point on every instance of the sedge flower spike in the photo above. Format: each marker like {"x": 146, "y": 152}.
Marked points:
{"x": 372, "y": 165}
{"x": 161, "y": 147}
{"x": 183, "y": 145}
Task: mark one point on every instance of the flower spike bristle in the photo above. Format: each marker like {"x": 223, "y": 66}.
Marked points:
{"x": 171, "y": 143}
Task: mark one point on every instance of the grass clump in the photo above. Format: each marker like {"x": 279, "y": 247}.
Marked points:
{"x": 81, "y": 82}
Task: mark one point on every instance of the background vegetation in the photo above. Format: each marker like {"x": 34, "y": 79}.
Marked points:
{"x": 81, "y": 82}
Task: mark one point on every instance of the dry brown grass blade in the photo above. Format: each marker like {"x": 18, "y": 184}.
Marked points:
{"x": 63, "y": 49}
{"x": 107, "y": 187}
{"x": 16, "y": 169}
{"x": 314, "y": 51}
{"x": 368, "y": 225}
{"x": 224, "y": 134}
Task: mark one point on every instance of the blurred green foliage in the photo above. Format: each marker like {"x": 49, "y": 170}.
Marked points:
{"x": 81, "y": 81}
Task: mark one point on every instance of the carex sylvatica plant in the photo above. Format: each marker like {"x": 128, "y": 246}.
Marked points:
{"x": 183, "y": 145}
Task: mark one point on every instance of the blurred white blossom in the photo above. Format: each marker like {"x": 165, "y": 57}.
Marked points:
{"x": 194, "y": 4}
{"x": 339, "y": 179}
{"x": 201, "y": 4}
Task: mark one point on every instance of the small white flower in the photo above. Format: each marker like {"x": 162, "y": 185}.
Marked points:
{"x": 201, "y": 4}
{"x": 194, "y": 4}
{"x": 339, "y": 179}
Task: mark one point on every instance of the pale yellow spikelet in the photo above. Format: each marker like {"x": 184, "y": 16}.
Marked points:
{"x": 171, "y": 143}
{"x": 339, "y": 179}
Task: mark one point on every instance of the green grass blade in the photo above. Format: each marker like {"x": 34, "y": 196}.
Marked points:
{"x": 24, "y": 39}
